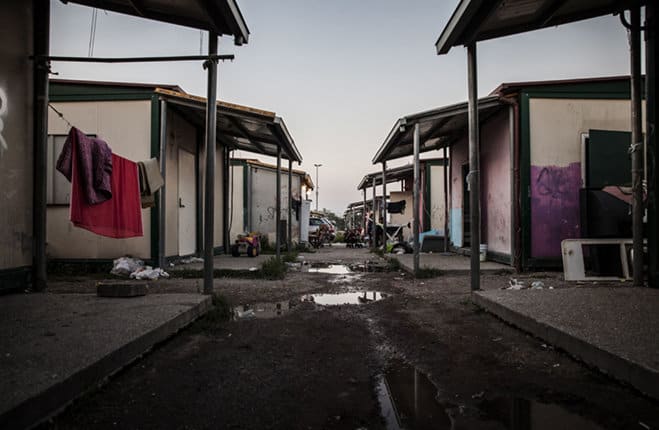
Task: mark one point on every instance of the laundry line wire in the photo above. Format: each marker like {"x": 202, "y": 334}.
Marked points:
{"x": 61, "y": 115}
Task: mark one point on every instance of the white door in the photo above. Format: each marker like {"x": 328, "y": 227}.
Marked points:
{"x": 187, "y": 204}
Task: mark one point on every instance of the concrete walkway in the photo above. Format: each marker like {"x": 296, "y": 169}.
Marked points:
{"x": 54, "y": 347}
{"x": 448, "y": 263}
{"x": 613, "y": 329}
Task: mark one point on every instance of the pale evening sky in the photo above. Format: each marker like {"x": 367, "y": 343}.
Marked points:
{"x": 339, "y": 72}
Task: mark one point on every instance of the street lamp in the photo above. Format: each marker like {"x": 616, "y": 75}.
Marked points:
{"x": 317, "y": 166}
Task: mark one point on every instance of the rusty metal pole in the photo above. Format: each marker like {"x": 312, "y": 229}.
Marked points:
{"x": 636, "y": 148}
{"x": 289, "y": 234}
{"x": 278, "y": 206}
{"x": 209, "y": 202}
{"x": 41, "y": 46}
{"x": 415, "y": 198}
{"x": 384, "y": 205}
{"x": 651, "y": 142}
{"x": 373, "y": 220}
{"x": 474, "y": 167}
{"x": 162, "y": 200}
{"x": 446, "y": 203}
{"x": 364, "y": 213}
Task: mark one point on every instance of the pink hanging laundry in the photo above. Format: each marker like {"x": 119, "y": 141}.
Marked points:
{"x": 118, "y": 217}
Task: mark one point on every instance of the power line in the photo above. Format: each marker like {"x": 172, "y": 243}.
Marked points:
{"x": 92, "y": 33}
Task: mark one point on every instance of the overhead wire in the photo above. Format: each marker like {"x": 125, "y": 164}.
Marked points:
{"x": 61, "y": 115}
{"x": 92, "y": 33}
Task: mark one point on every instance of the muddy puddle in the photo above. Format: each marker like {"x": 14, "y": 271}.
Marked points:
{"x": 279, "y": 309}
{"x": 331, "y": 269}
{"x": 408, "y": 400}
{"x": 261, "y": 310}
{"x": 349, "y": 298}
{"x": 345, "y": 269}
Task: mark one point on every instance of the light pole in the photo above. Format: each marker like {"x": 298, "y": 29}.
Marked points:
{"x": 317, "y": 166}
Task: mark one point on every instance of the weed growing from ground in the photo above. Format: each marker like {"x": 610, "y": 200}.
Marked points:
{"x": 393, "y": 265}
{"x": 273, "y": 268}
{"x": 219, "y": 313}
{"x": 290, "y": 257}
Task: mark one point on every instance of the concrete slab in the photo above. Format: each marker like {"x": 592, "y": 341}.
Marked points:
{"x": 54, "y": 347}
{"x": 613, "y": 329}
{"x": 448, "y": 263}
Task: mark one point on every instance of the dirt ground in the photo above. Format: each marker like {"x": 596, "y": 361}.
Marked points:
{"x": 420, "y": 356}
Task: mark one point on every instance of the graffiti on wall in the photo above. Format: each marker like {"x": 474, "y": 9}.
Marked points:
{"x": 4, "y": 108}
{"x": 554, "y": 208}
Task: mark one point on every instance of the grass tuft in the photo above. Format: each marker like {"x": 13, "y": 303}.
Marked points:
{"x": 219, "y": 314}
{"x": 393, "y": 265}
{"x": 273, "y": 269}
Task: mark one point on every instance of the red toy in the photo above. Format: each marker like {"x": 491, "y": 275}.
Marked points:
{"x": 249, "y": 244}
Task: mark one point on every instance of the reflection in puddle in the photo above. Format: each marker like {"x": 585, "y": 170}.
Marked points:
{"x": 408, "y": 400}
{"x": 332, "y": 269}
{"x": 523, "y": 414}
{"x": 356, "y": 298}
{"x": 261, "y": 310}
{"x": 345, "y": 279}
{"x": 369, "y": 267}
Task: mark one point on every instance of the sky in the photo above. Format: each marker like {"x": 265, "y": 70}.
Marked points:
{"x": 340, "y": 73}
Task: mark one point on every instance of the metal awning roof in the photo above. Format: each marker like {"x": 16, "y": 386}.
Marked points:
{"x": 438, "y": 128}
{"x": 306, "y": 178}
{"x": 393, "y": 175}
{"x": 238, "y": 127}
{"x": 476, "y": 20}
{"x": 360, "y": 204}
{"x": 220, "y": 16}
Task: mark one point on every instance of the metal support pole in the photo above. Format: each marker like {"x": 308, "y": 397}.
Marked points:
{"x": 169, "y": 59}
{"x": 446, "y": 212}
{"x": 373, "y": 219}
{"x": 162, "y": 202}
{"x": 209, "y": 202}
{"x": 226, "y": 171}
{"x": 40, "y": 142}
{"x": 384, "y": 205}
{"x": 415, "y": 198}
{"x": 317, "y": 184}
{"x": 289, "y": 238}
{"x": 651, "y": 142}
{"x": 278, "y": 206}
{"x": 364, "y": 213}
{"x": 637, "y": 145}
{"x": 474, "y": 167}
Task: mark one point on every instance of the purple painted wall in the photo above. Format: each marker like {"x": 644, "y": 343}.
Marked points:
{"x": 495, "y": 183}
{"x": 554, "y": 208}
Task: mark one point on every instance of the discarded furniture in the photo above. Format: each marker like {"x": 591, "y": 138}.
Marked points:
{"x": 574, "y": 267}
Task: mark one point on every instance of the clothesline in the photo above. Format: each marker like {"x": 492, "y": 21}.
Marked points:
{"x": 61, "y": 115}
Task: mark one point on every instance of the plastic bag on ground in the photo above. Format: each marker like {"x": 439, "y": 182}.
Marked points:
{"x": 149, "y": 273}
{"x": 124, "y": 266}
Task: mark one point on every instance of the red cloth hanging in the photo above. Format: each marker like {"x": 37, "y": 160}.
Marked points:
{"x": 119, "y": 217}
